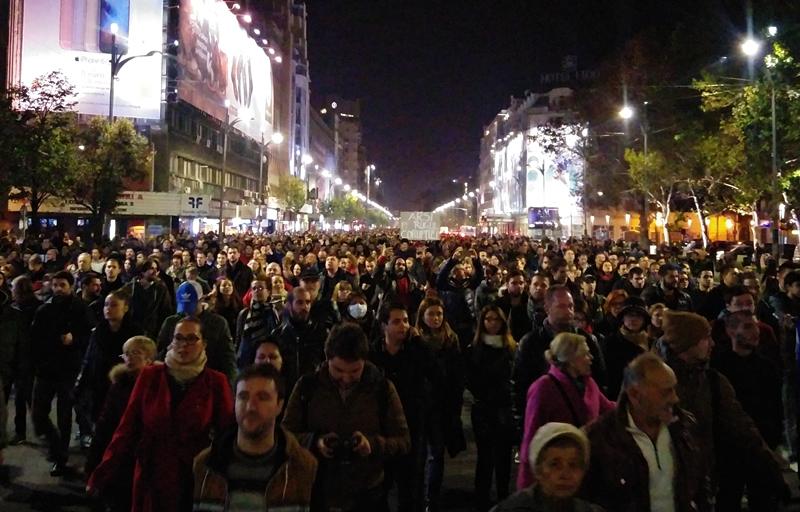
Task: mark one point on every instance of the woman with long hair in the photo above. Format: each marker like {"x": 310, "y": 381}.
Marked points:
{"x": 444, "y": 428}
{"x": 611, "y": 309}
{"x": 489, "y": 361}
{"x": 655, "y": 327}
{"x": 226, "y": 302}
{"x": 172, "y": 412}
{"x": 340, "y": 298}
{"x": 567, "y": 393}
{"x": 24, "y": 301}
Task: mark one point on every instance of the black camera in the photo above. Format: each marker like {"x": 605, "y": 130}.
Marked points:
{"x": 343, "y": 447}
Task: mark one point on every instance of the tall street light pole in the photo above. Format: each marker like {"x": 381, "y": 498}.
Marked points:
{"x": 276, "y": 138}
{"x": 117, "y": 62}
{"x": 627, "y": 113}
{"x": 751, "y": 48}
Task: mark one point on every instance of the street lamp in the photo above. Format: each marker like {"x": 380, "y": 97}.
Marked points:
{"x": 750, "y": 48}
{"x": 276, "y": 138}
{"x": 228, "y": 125}
{"x": 627, "y": 113}
{"x": 117, "y": 62}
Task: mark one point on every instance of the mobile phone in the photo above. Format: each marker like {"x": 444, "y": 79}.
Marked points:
{"x": 653, "y": 250}
{"x": 114, "y": 11}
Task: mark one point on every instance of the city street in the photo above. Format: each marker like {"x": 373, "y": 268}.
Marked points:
{"x": 25, "y": 484}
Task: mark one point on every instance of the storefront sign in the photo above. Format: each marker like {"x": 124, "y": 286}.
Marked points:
{"x": 151, "y": 204}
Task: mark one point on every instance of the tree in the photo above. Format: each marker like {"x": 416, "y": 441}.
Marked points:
{"x": 291, "y": 193}
{"x": 346, "y": 208}
{"x": 39, "y": 140}
{"x": 110, "y": 154}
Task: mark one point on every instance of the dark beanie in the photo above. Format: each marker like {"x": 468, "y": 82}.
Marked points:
{"x": 683, "y": 330}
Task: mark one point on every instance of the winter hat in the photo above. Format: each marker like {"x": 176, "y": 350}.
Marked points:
{"x": 187, "y": 296}
{"x": 552, "y": 431}
{"x": 634, "y": 305}
{"x": 683, "y": 330}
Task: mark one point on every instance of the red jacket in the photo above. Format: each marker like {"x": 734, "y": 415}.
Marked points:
{"x": 546, "y": 404}
{"x": 164, "y": 442}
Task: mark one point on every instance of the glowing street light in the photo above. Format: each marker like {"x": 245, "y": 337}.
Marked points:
{"x": 337, "y": 181}
{"x": 626, "y": 112}
{"x": 600, "y": 193}
{"x": 326, "y": 173}
{"x": 277, "y": 138}
{"x": 347, "y": 188}
{"x": 750, "y": 47}
{"x": 114, "y": 28}
{"x": 772, "y": 30}
{"x": 307, "y": 159}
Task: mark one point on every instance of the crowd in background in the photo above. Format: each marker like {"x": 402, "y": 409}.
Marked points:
{"x": 606, "y": 375}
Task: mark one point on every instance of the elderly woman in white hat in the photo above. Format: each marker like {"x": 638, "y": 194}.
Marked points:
{"x": 558, "y": 457}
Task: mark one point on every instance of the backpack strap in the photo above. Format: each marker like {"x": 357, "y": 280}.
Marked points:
{"x": 575, "y": 420}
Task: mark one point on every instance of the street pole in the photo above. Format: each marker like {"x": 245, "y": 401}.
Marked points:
{"x": 776, "y": 235}
{"x": 224, "y": 163}
{"x": 645, "y": 203}
{"x": 369, "y": 181}
{"x": 113, "y": 76}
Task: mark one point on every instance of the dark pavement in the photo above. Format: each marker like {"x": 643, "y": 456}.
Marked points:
{"x": 25, "y": 483}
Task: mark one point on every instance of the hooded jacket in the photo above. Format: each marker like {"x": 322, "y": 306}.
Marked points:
{"x": 289, "y": 488}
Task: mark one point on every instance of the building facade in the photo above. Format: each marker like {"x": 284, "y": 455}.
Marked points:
{"x": 530, "y": 170}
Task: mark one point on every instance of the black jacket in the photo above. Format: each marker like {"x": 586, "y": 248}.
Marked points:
{"x": 102, "y": 354}
{"x": 302, "y": 347}
{"x": 53, "y": 359}
{"x": 241, "y": 276}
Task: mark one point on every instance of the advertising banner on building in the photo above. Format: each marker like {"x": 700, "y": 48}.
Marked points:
{"x": 74, "y": 36}
{"x": 419, "y": 225}
{"x": 218, "y": 61}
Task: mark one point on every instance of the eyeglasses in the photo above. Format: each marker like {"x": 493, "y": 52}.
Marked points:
{"x": 130, "y": 354}
{"x": 187, "y": 341}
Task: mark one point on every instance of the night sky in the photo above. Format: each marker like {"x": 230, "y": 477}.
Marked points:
{"x": 432, "y": 74}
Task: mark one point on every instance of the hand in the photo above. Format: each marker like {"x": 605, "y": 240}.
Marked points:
{"x": 458, "y": 253}
{"x": 322, "y": 445}
{"x": 66, "y": 339}
{"x": 362, "y": 446}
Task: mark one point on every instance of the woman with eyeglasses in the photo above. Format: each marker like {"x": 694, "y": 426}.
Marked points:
{"x": 172, "y": 412}
{"x": 137, "y": 352}
{"x": 105, "y": 347}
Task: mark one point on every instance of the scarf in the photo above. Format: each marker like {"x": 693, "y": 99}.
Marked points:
{"x": 184, "y": 373}
{"x": 637, "y": 338}
{"x": 255, "y": 324}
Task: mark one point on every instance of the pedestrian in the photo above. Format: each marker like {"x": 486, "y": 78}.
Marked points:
{"x": 443, "y": 430}
{"x": 137, "y": 353}
{"x": 226, "y": 302}
{"x": 645, "y": 454}
{"x": 567, "y": 394}
{"x": 559, "y": 457}
{"x": 630, "y": 340}
{"x": 352, "y": 419}
{"x": 59, "y": 335}
{"x": 172, "y": 411}
{"x": 257, "y": 461}
{"x": 255, "y": 322}
{"x": 489, "y": 363}
{"x": 24, "y": 301}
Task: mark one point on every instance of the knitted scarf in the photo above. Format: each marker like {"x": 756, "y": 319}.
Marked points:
{"x": 256, "y": 326}
{"x": 185, "y": 372}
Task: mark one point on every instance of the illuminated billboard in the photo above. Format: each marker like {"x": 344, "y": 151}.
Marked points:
{"x": 74, "y": 36}
{"x": 218, "y": 61}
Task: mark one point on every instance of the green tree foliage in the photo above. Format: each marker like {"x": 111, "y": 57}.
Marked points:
{"x": 113, "y": 153}
{"x": 291, "y": 193}
{"x": 345, "y": 208}
{"x": 38, "y": 154}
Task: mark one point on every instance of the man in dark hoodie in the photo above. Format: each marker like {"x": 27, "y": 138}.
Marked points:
{"x": 60, "y": 332}
{"x": 457, "y": 291}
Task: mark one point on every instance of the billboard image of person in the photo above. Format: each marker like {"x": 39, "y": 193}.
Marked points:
{"x": 75, "y": 37}
{"x": 218, "y": 61}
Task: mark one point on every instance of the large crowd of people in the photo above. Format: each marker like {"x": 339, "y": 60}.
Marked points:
{"x": 319, "y": 371}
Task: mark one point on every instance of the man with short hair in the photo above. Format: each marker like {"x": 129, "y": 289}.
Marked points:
{"x": 702, "y": 299}
{"x": 645, "y": 454}
{"x": 150, "y": 302}
{"x": 594, "y": 301}
{"x": 537, "y": 290}
{"x": 514, "y": 303}
{"x": 301, "y": 338}
{"x": 205, "y": 267}
{"x": 666, "y": 290}
{"x": 59, "y": 335}
{"x": 757, "y": 382}
{"x": 321, "y": 310}
{"x": 738, "y": 298}
{"x": 634, "y": 282}
{"x": 257, "y": 465}
{"x": 255, "y": 322}
{"x": 112, "y": 278}
{"x": 404, "y": 359}
{"x": 487, "y": 292}
{"x": 457, "y": 291}
{"x": 237, "y": 271}
{"x": 723, "y": 426}
{"x": 728, "y": 277}
{"x": 352, "y": 418}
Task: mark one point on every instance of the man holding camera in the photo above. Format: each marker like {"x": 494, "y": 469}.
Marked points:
{"x": 352, "y": 419}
